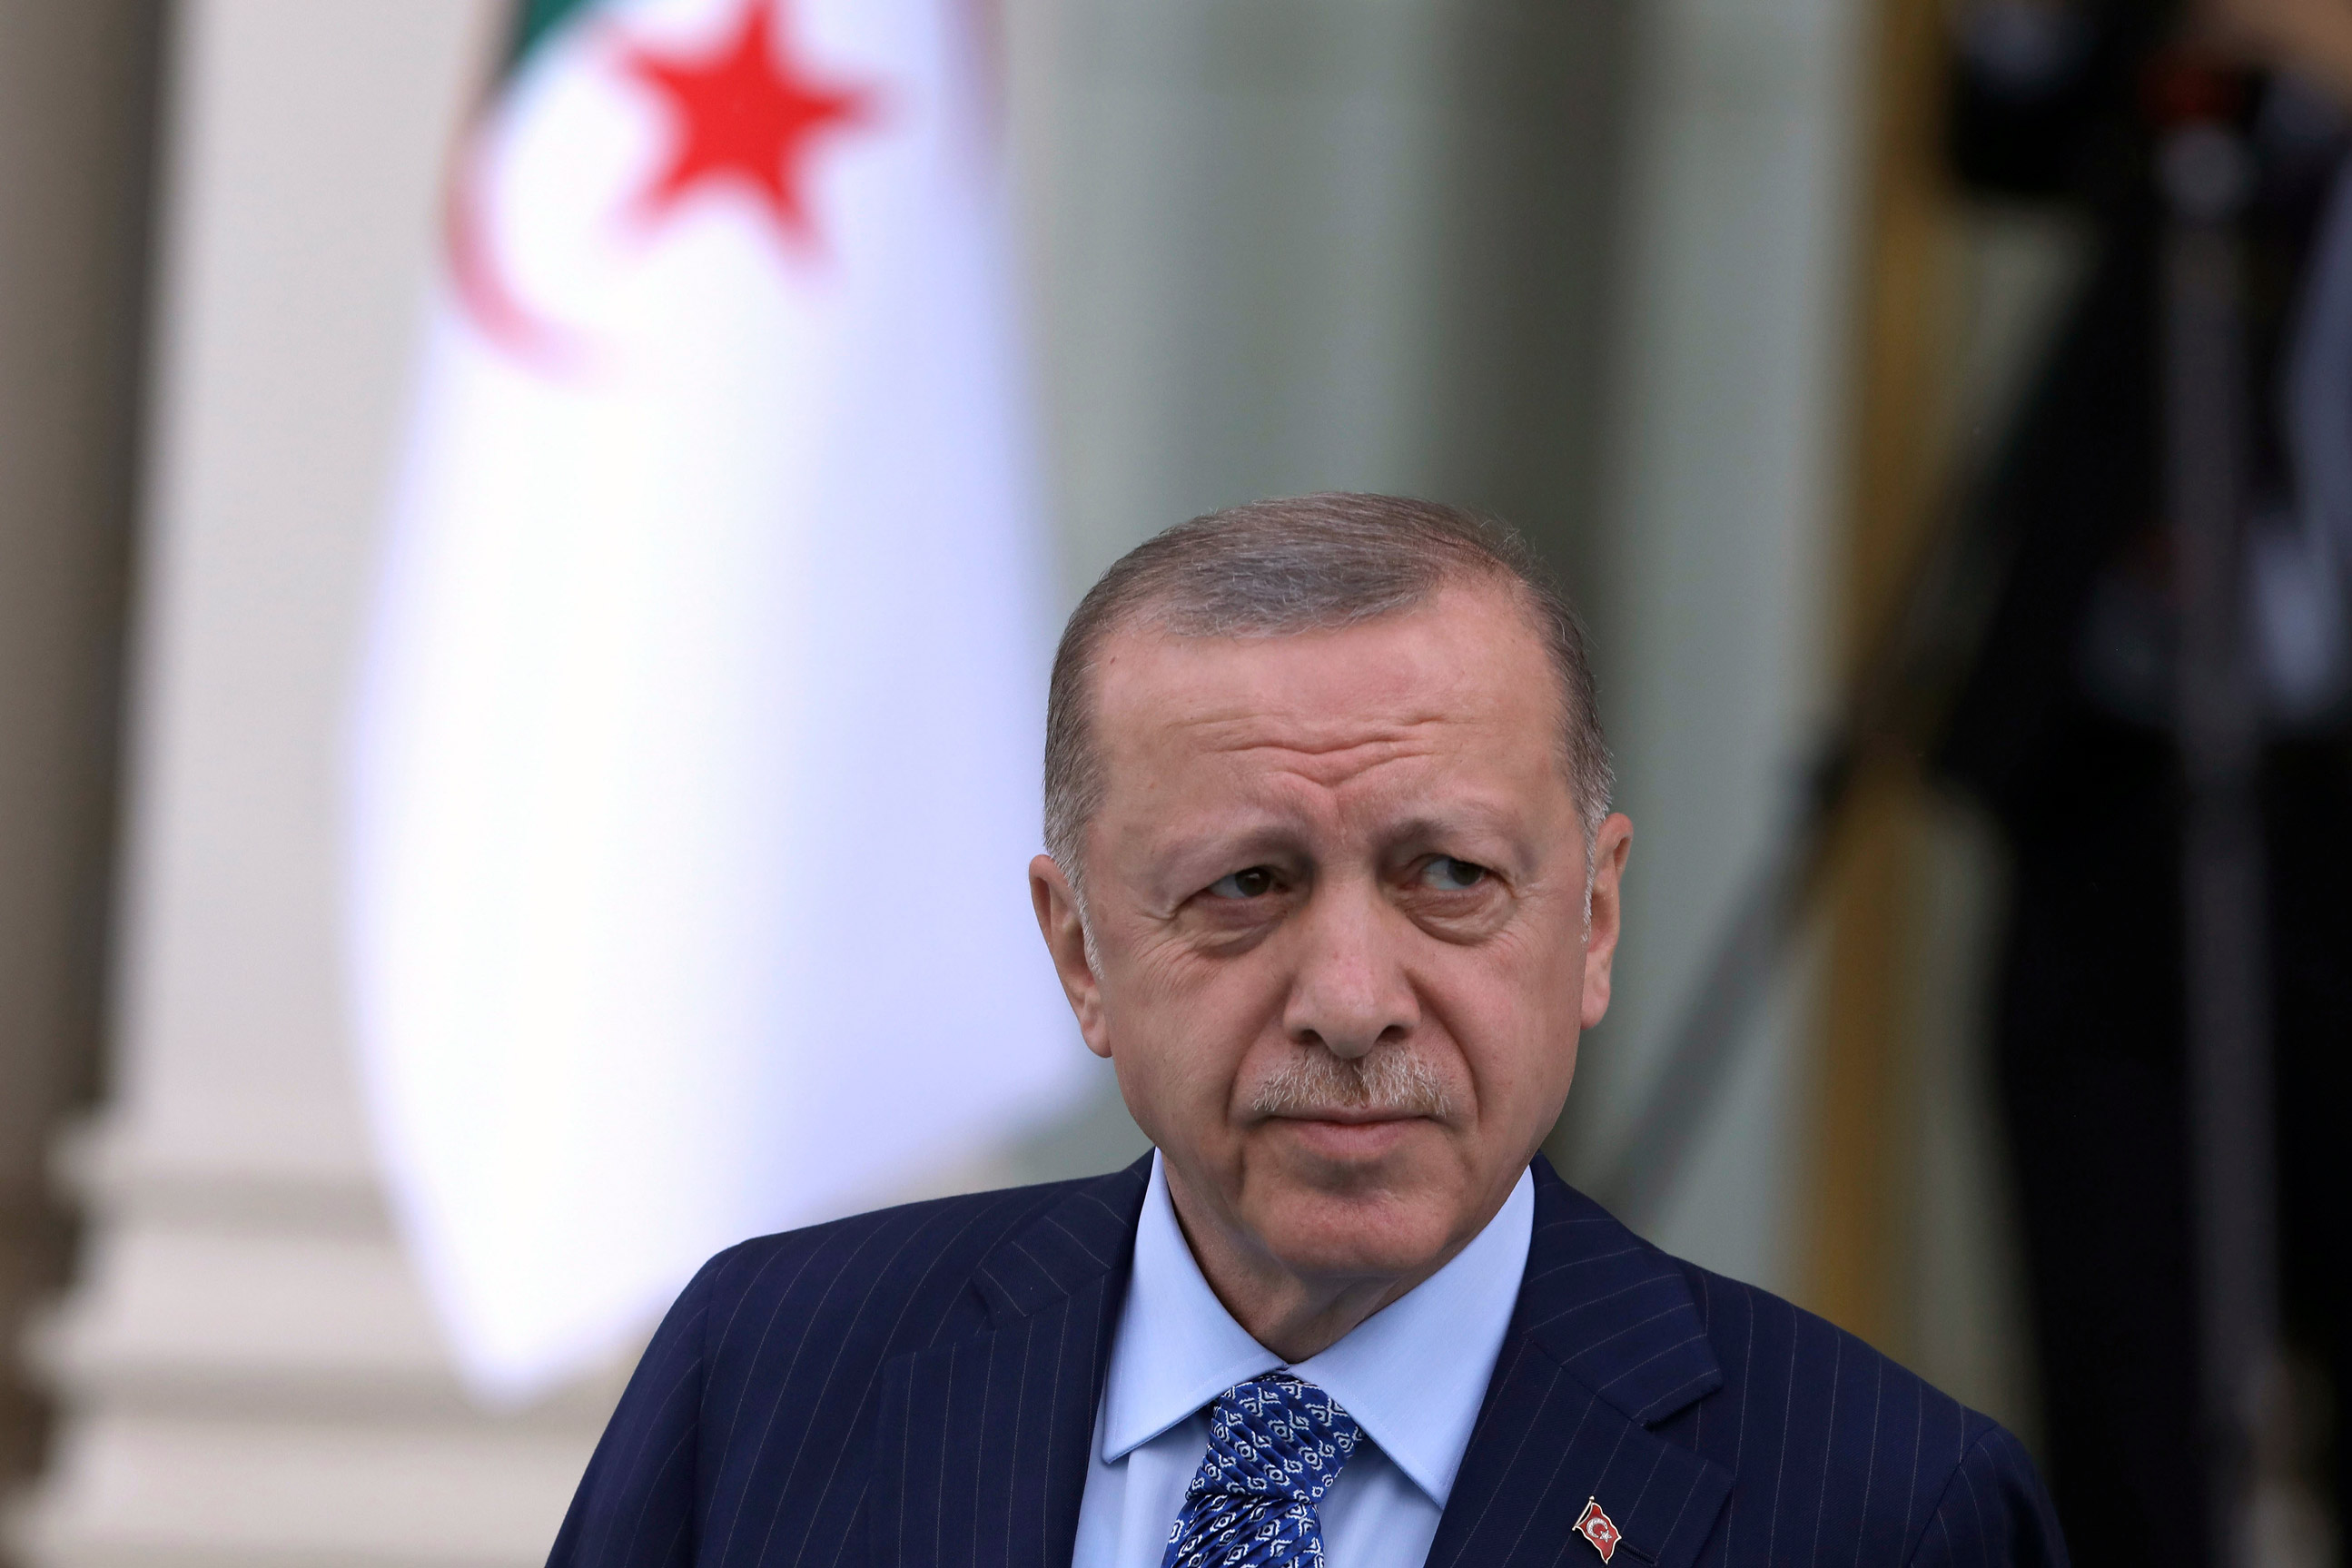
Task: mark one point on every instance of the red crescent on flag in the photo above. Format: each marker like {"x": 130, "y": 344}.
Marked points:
{"x": 489, "y": 299}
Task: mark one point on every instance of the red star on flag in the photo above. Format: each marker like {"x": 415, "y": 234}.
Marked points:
{"x": 1599, "y": 1529}
{"x": 748, "y": 113}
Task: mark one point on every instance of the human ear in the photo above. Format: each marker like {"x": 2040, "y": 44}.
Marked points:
{"x": 1065, "y": 939}
{"x": 1611, "y": 844}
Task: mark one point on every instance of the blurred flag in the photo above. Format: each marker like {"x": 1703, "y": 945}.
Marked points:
{"x": 697, "y": 748}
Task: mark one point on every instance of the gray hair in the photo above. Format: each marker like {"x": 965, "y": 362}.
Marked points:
{"x": 1308, "y": 563}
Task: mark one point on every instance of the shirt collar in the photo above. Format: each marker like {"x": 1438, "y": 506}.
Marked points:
{"x": 1412, "y": 1375}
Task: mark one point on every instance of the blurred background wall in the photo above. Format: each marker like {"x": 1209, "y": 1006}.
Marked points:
{"x": 1610, "y": 271}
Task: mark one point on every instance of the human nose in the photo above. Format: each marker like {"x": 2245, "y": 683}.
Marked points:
{"x": 1350, "y": 990}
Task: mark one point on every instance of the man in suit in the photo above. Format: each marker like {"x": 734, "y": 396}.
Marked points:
{"x": 1333, "y": 883}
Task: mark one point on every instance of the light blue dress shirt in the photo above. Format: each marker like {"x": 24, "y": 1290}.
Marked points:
{"x": 1413, "y": 1376}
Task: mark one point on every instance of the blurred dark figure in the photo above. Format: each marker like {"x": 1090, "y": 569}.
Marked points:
{"x": 2063, "y": 729}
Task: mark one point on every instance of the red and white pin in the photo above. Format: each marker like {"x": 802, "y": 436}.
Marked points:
{"x": 1599, "y": 1529}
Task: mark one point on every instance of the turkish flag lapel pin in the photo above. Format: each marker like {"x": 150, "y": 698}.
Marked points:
{"x": 1597, "y": 1527}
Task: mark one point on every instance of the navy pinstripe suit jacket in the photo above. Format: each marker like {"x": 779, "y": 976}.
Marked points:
{"x": 918, "y": 1387}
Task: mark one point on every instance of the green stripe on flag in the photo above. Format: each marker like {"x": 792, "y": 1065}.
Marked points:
{"x": 534, "y": 19}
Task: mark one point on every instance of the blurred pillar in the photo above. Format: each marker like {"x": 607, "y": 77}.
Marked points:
{"x": 246, "y": 1368}
{"x": 76, "y": 94}
{"x": 1283, "y": 246}
{"x": 1906, "y": 305}
{"x": 1728, "y": 333}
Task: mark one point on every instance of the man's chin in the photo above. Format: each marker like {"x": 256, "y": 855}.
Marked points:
{"x": 1364, "y": 1198}
{"x": 1326, "y": 1237}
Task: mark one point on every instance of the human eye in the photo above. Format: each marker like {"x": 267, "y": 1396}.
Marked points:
{"x": 1254, "y": 883}
{"x": 1448, "y": 874}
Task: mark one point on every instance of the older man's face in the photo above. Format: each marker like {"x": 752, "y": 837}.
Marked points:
{"x": 1338, "y": 890}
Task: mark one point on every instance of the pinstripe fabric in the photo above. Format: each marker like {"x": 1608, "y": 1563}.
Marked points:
{"x": 1718, "y": 1425}
{"x": 918, "y": 1387}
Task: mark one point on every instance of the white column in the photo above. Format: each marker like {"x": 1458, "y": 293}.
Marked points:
{"x": 1733, "y": 332}
{"x": 1321, "y": 244}
{"x": 246, "y": 1371}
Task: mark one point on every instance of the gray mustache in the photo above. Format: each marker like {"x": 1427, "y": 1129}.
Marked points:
{"x": 1392, "y": 1082}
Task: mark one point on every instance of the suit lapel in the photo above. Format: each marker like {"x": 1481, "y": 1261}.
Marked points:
{"x": 983, "y": 1440}
{"x": 1604, "y": 1343}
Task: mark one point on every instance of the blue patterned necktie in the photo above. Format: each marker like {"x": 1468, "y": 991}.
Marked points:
{"x": 1276, "y": 1445}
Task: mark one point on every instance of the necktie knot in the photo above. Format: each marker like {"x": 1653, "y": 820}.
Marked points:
{"x": 1276, "y": 1445}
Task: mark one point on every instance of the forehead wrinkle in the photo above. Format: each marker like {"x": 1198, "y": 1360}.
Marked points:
{"x": 1327, "y": 745}
{"x": 1331, "y": 738}
{"x": 1367, "y": 799}
{"x": 1342, "y": 767}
